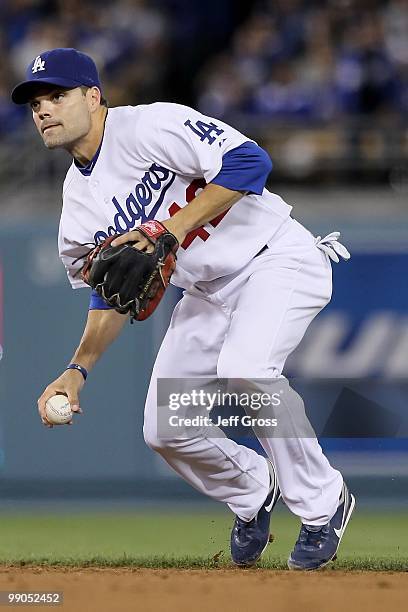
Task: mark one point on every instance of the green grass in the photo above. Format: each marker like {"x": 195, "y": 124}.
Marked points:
{"x": 149, "y": 539}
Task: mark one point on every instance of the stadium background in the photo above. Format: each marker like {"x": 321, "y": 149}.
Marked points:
{"x": 323, "y": 86}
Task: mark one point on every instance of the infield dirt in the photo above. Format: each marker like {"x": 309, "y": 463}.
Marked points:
{"x": 149, "y": 590}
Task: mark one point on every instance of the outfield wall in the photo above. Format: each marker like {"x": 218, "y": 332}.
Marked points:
{"x": 363, "y": 334}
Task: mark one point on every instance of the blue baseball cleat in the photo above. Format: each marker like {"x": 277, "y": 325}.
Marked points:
{"x": 249, "y": 539}
{"x": 317, "y": 546}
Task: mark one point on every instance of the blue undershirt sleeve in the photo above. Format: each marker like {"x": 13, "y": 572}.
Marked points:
{"x": 98, "y": 303}
{"x": 244, "y": 168}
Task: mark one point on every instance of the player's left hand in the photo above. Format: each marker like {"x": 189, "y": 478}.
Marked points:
{"x": 142, "y": 243}
{"x": 133, "y": 280}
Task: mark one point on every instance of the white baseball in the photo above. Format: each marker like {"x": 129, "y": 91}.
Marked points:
{"x": 58, "y": 410}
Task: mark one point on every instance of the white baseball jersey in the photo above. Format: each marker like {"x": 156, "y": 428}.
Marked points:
{"x": 153, "y": 160}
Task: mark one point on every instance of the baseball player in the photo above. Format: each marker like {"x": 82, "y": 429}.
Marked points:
{"x": 253, "y": 280}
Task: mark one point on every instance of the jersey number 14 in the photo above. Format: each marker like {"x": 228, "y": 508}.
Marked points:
{"x": 200, "y": 232}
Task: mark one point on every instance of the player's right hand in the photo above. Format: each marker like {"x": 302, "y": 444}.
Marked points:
{"x": 70, "y": 384}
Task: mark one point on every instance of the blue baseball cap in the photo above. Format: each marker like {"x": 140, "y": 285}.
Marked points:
{"x": 62, "y": 67}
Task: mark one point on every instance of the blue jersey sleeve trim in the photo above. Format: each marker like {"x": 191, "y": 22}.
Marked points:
{"x": 98, "y": 303}
{"x": 244, "y": 168}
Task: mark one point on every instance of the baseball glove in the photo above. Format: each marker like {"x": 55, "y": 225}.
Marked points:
{"x": 130, "y": 280}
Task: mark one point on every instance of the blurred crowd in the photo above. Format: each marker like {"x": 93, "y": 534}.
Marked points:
{"x": 145, "y": 49}
{"x": 126, "y": 38}
{"x": 313, "y": 60}
{"x": 335, "y": 69}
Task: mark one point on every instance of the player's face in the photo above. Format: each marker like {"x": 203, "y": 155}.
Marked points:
{"x": 62, "y": 116}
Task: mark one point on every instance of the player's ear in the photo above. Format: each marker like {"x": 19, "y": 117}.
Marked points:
{"x": 94, "y": 96}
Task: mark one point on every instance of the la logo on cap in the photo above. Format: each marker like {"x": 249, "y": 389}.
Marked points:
{"x": 38, "y": 65}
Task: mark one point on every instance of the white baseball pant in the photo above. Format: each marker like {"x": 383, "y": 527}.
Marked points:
{"x": 244, "y": 326}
